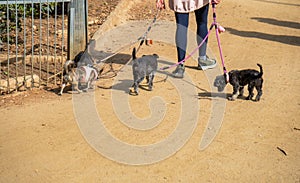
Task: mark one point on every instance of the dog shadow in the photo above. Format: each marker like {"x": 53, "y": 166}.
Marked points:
{"x": 212, "y": 95}
{"x": 126, "y": 86}
{"x": 68, "y": 90}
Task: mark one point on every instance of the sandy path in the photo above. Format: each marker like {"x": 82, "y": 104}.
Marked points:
{"x": 40, "y": 140}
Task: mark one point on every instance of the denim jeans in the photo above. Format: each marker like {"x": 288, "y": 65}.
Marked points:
{"x": 182, "y": 20}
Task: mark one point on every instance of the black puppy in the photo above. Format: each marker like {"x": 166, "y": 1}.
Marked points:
{"x": 240, "y": 78}
{"x": 146, "y": 66}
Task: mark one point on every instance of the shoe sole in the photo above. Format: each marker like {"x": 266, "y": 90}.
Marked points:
{"x": 175, "y": 76}
{"x": 206, "y": 67}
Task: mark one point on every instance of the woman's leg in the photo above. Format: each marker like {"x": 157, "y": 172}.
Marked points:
{"x": 182, "y": 22}
{"x": 202, "y": 30}
{"x": 201, "y": 14}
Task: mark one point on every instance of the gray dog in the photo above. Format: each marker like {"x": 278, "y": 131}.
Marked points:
{"x": 146, "y": 66}
{"x": 240, "y": 78}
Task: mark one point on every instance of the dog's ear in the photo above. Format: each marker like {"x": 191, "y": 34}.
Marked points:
{"x": 155, "y": 55}
{"x": 134, "y": 53}
{"x": 78, "y": 57}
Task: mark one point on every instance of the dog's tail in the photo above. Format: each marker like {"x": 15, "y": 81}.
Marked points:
{"x": 261, "y": 71}
{"x": 133, "y": 53}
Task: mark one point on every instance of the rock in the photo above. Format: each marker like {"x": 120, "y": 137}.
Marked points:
{"x": 18, "y": 83}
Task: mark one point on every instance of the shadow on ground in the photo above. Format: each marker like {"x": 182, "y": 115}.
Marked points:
{"x": 286, "y": 39}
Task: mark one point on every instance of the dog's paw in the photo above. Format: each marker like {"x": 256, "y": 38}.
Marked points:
{"x": 133, "y": 92}
{"x": 257, "y": 100}
{"x": 230, "y": 98}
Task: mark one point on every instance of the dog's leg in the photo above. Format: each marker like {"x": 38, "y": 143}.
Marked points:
{"x": 137, "y": 84}
{"x": 86, "y": 89}
{"x": 147, "y": 79}
{"x": 92, "y": 84}
{"x": 250, "y": 90}
{"x": 92, "y": 81}
{"x": 62, "y": 88}
{"x": 235, "y": 92}
{"x": 258, "y": 87}
{"x": 241, "y": 91}
{"x": 150, "y": 82}
{"x": 259, "y": 94}
{"x": 75, "y": 85}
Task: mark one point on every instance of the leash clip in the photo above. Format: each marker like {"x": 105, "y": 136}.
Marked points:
{"x": 226, "y": 77}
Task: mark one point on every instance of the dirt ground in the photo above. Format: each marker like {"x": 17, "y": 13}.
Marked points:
{"x": 40, "y": 140}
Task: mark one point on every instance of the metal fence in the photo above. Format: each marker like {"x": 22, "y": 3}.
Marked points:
{"x": 33, "y": 43}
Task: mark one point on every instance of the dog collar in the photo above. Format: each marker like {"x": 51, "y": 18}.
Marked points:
{"x": 227, "y": 77}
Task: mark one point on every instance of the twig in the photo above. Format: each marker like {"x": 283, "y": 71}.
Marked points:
{"x": 282, "y": 150}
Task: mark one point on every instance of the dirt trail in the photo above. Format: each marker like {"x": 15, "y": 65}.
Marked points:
{"x": 40, "y": 140}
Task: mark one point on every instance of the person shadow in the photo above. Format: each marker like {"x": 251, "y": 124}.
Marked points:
{"x": 285, "y": 39}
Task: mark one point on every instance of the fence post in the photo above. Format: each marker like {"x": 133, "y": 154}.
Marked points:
{"x": 77, "y": 27}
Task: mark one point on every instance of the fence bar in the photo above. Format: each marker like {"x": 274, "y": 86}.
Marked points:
{"x": 16, "y": 60}
{"x": 32, "y": 1}
{"x": 55, "y": 37}
{"x": 32, "y": 43}
{"x": 71, "y": 33}
{"x": 62, "y": 41}
{"x": 47, "y": 83}
{"x": 40, "y": 49}
{"x": 24, "y": 54}
{"x": 8, "y": 47}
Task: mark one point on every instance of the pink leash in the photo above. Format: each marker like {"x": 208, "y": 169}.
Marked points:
{"x": 218, "y": 29}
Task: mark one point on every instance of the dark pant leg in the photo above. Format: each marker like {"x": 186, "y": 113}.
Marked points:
{"x": 182, "y": 20}
{"x": 202, "y": 30}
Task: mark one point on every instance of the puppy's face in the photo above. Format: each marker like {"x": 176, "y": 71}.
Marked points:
{"x": 220, "y": 83}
